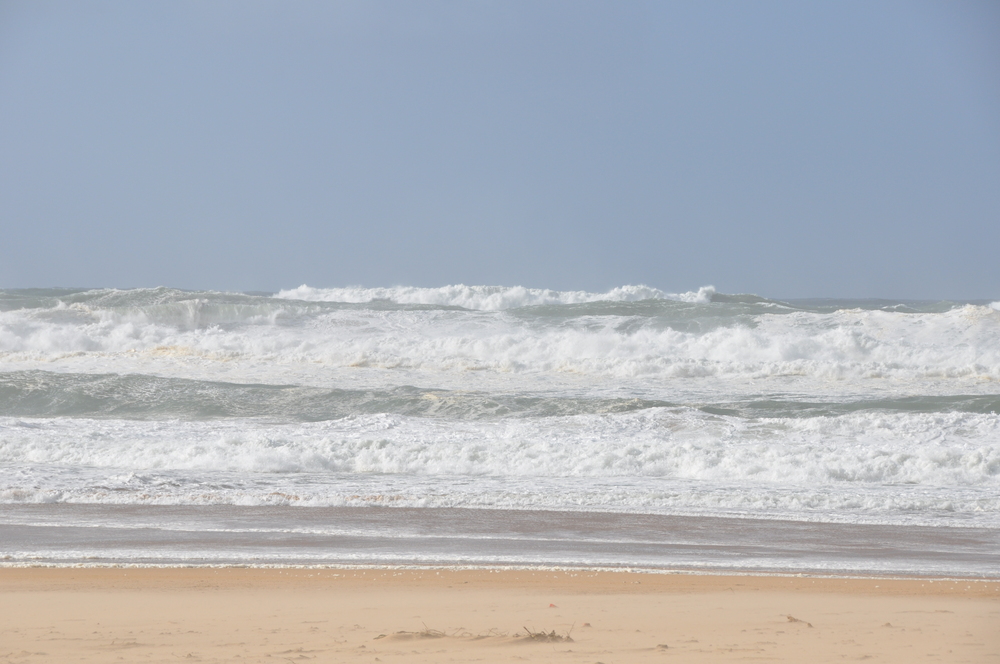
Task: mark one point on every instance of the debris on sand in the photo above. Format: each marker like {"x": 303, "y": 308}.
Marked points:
{"x": 794, "y": 619}
{"x": 546, "y": 637}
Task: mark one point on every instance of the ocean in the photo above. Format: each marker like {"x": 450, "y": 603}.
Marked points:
{"x": 503, "y": 426}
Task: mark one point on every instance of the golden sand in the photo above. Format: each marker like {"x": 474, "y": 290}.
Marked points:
{"x": 384, "y": 615}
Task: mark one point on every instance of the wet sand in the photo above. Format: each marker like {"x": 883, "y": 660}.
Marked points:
{"x": 162, "y": 535}
{"x": 444, "y": 615}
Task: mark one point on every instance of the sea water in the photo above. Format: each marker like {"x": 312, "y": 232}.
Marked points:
{"x": 499, "y": 425}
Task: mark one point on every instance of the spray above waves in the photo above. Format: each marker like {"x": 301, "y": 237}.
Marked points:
{"x": 479, "y": 298}
{"x": 489, "y": 298}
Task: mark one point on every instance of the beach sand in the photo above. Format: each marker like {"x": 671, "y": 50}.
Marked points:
{"x": 448, "y": 615}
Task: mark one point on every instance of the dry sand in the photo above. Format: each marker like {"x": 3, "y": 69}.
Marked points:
{"x": 337, "y": 615}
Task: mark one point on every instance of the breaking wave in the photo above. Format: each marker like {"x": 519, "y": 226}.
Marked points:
{"x": 632, "y": 399}
{"x": 249, "y": 338}
{"x": 489, "y": 298}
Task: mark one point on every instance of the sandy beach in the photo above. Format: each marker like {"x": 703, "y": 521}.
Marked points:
{"x": 444, "y": 615}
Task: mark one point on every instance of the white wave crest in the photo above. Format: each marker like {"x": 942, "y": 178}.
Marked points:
{"x": 929, "y": 449}
{"x": 851, "y": 347}
{"x": 489, "y": 298}
{"x": 873, "y": 464}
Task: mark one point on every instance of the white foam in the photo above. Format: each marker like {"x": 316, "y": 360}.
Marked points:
{"x": 859, "y": 450}
{"x": 847, "y": 346}
{"x": 670, "y": 458}
{"x": 489, "y": 298}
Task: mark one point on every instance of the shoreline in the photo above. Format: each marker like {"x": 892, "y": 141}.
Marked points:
{"x": 71, "y": 535}
{"x": 594, "y": 578}
{"x": 503, "y": 569}
{"x": 491, "y": 615}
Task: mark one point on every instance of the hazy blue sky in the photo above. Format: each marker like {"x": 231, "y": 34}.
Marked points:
{"x": 782, "y": 148}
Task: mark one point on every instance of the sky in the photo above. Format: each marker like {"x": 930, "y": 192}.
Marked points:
{"x": 787, "y": 149}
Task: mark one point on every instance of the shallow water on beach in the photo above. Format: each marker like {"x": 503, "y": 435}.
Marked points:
{"x": 403, "y": 405}
{"x": 230, "y": 535}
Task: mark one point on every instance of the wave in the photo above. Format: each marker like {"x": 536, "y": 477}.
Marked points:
{"x": 962, "y": 343}
{"x": 654, "y": 349}
{"x": 489, "y": 298}
{"x": 38, "y": 394}
{"x": 896, "y": 504}
{"x": 473, "y": 298}
{"x": 866, "y": 466}
{"x": 860, "y": 448}
{"x": 138, "y": 397}
{"x": 633, "y": 399}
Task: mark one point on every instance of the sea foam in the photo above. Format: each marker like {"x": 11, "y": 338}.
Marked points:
{"x": 489, "y": 298}
{"x": 629, "y": 400}
{"x": 632, "y": 340}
